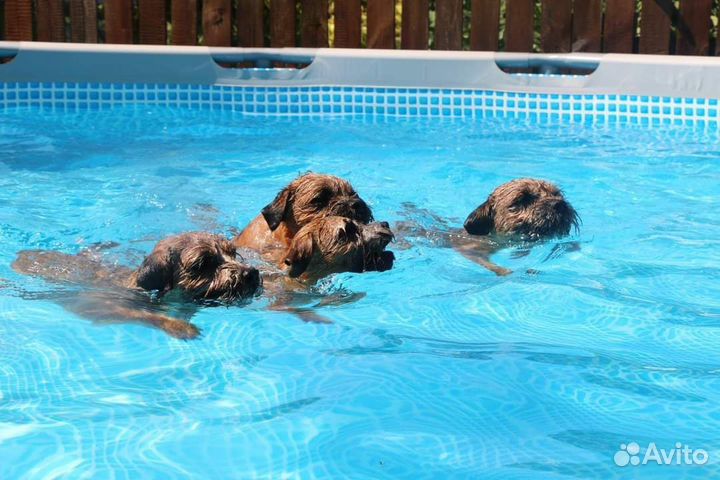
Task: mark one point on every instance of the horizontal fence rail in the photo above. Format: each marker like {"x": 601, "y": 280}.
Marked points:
{"x": 686, "y": 27}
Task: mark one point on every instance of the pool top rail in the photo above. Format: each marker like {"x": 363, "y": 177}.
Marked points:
{"x": 678, "y": 76}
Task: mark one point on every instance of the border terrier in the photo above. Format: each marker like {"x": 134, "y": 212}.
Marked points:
{"x": 521, "y": 210}
{"x": 306, "y": 198}
{"x": 197, "y": 267}
{"x": 325, "y": 246}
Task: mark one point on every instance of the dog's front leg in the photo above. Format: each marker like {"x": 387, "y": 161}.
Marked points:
{"x": 496, "y": 269}
{"x": 307, "y": 315}
{"x": 479, "y": 251}
{"x": 179, "y": 329}
{"x": 114, "y": 307}
{"x": 286, "y": 301}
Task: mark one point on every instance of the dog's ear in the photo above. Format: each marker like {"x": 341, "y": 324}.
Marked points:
{"x": 480, "y": 221}
{"x": 156, "y": 273}
{"x": 199, "y": 258}
{"x": 274, "y": 212}
{"x": 299, "y": 254}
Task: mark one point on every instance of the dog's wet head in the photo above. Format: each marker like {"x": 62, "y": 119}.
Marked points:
{"x": 530, "y": 208}
{"x": 201, "y": 265}
{"x": 315, "y": 195}
{"x": 337, "y": 244}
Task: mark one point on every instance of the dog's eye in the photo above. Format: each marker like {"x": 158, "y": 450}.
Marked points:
{"x": 322, "y": 198}
{"x": 351, "y": 229}
{"x": 204, "y": 262}
{"x": 348, "y": 231}
{"x": 524, "y": 200}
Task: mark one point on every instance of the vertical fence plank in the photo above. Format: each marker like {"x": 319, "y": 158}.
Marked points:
{"x": 77, "y": 22}
{"x": 348, "y": 23}
{"x": 153, "y": 27}
{"x": 314, "y": 23}
{"x": 519, "y": 25}
{"x": 50, "y": 21}
{"x": 18, "y": 20}
{"x": 415, "y": 24}
{"x": 216, "y": 22}
{"x": 484, "y": 25}
{"x": 90, "y": 21}
{"x": 448, "y": 25}
{"x": 587, "y": 26}
{"x": 118, "y": 21}
{"x": 556, "y": 30}
{"x": 694, "y": 39}
{"x": 183, "y": 16}
{"x": 655, "y": 27}
{"x": 381, "y": 24}
{"x": 282, "y": 23}
{"x": 619, "y": 30}
{"x": 250, "y": 23}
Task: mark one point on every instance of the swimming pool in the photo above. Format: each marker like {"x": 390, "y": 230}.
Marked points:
{"x": 441, "y": 369}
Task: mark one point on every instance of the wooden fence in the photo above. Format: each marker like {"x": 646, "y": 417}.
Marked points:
{"x": 686, "y": 27}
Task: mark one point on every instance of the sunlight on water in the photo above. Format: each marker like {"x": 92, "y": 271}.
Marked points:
{"x": 441, "y": 370}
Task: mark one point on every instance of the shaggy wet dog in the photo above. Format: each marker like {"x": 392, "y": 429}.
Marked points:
{"x": 196, "y": 267}
{"x": 335, "y": 244}
{"x": 308, "y": 197}
{"x": 521, "y": 211}
{"x": 528, "y": 208}
{"x": 325, "y": 246}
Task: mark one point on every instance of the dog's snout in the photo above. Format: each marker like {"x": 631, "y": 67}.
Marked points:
{"x": 384, "y": 224}
{"x": 250, "y": 274}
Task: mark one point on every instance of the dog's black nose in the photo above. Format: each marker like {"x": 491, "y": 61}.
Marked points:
{"x": 251, "y": 275}
{"x": 384, "y": 224}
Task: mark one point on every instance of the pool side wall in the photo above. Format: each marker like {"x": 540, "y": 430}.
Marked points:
{"x": 620, "y": 88}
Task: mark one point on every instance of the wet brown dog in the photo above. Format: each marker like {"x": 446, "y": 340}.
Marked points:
{"x": 524, "y": 209}
{"x": 335, "y": 244}
{"x": 322, "y": 247}
{"x": 306, "y": 198}
{"x": 196, "y": 266}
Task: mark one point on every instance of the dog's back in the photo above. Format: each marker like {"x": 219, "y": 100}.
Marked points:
{"x": 83, "y": 268}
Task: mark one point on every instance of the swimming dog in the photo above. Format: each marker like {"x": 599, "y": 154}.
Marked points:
{"x": 325, "y": 246}
{"x": 196, "y": 267}
{"x": 306, "y": 198}
{"x": 522, "y": 210}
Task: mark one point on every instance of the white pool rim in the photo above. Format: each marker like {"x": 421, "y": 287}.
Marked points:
{"x": 619, "y": 74}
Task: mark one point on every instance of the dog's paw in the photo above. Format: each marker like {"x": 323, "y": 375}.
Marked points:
{"x": 502, "y": 272}
{"x": 181, "y": 330}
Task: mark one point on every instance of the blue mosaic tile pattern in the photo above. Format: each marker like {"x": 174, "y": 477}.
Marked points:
{"x": 385, "y": 102}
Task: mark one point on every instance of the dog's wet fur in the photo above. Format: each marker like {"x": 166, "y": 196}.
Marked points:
{"x": 522, "y": 211}
{"x": 201, "y": 265}
{"x": 316, "y": 226}
{"x": 197, "y": 267}
{"x": 305, "y": 199}
{"x": 527, "y": 208}
{"x": 336, "y": 244}
{"x": 323, "y": 247}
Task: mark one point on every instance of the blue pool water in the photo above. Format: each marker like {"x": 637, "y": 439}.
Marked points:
{"x": 442, "y": 370}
